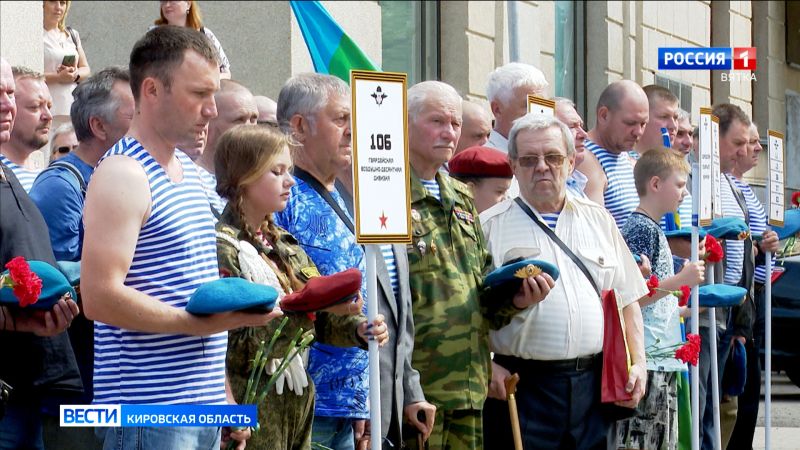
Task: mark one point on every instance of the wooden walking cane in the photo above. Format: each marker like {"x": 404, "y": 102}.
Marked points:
{"x": 511, "y": 389}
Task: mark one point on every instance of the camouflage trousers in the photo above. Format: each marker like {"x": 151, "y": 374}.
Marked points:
{"x": 452, "y": 430}
{"x": 285, "y": 421}
{"x": 655, "y": 426}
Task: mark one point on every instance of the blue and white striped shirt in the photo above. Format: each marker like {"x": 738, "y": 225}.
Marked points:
{"x": 734, "y": 249}
{"x": 209, "y": 182}
{"x": 550, "y": 219}
{"x": 620, "y": 196}
{"x": 25, "y": 176}
{"x": 433, "y": 188}
{"x": 175, "y": 254}
{"x": 758, "y": 221}
{"x": 391, "y": 267}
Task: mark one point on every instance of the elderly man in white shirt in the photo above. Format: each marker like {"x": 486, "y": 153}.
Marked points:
{"x": 556, "y": 345}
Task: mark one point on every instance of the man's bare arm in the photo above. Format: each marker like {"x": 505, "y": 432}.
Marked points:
{"x": 597, "y": 182}
{"x": 117, "y": 204}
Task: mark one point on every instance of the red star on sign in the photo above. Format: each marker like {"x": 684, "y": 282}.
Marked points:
{"x": 383, "y": 219}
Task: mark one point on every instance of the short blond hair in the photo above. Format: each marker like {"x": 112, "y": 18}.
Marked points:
{"x": 659, "y": 162}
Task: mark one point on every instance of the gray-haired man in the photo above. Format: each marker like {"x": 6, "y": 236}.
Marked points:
{"x": 101, "y": 113}
{"x": 555, "y": 344}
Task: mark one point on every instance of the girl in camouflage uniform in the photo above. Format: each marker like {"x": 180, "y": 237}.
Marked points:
{"x": 252, "y": 166}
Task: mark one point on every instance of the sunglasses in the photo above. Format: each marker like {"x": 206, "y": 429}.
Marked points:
{"x": 554, "y": 160}
{"x": 64, "y": 149}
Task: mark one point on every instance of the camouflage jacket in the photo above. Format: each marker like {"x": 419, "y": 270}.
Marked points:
{"x": 244, "y": 342}
{"x": 447, "y": 261}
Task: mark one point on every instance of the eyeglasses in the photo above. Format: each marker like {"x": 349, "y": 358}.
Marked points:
{"x": 64, "y": 149}
{"x": 554, "y": 160}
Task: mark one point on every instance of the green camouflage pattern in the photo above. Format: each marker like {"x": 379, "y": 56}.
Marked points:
{"x": 286, "y": 419}
{"x": 447, "y": 261}
{"x": 452, "y": 430}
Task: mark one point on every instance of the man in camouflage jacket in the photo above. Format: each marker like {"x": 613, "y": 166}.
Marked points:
{"x": 447, "y": 261}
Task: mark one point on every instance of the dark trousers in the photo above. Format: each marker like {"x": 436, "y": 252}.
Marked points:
{"x": 557, "y": 409}
{"x": 723, "y": 351}
{"x": 749, "y": 401}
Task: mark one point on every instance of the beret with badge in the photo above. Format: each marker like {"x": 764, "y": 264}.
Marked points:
{"x": 714, "y": 295}
{"x": 480, "y": 162}
{"x": 324, "y": 291}
{"x": 54, "y": 286}
{"x": 232, "y": 294}
{"x": 731, "y": 228}
{"x": 507, "y": 279}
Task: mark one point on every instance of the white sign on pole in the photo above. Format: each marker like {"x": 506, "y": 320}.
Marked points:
{"x": 776, "y": 202}
{"x": 381, "y": 190}
{"x": 706, "y": 166}
{"x": 716, "y": 176}
{"x": 541, "y": 105}
{"x": 382, "y": 187}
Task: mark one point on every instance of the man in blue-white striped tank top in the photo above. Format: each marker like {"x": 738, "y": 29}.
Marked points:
{"x": 31, "y": 126}
{"x": 749, "y": 400}
{"x": 622, "y": 114}
{"x": 150, "y": 243}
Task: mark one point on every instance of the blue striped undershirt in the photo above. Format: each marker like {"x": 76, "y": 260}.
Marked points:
{"x": 175, "y": 253}
{"x": 550, "y": 219}
{"x": 25, "y": 176}
{"x": 734, "y": 249}
{"x": 433, "y": 188}
{"x": 620, "y": 196}
{"x": 758, "y": 221}
{"x": 391, "y": 267}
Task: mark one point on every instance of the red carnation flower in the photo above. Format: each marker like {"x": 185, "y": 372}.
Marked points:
{"x": 690, "y": 351}
{"x": 714, "y": 252}
{"x": 796, "y": 199}
{"x": 652, "y": 284}
{"x": 683, "y": 295}
{"x": 27, "y": 286}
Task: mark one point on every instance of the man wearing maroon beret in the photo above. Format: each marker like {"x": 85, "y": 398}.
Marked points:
{"x": 486, "y": 171}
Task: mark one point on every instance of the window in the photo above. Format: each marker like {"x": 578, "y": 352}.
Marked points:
{"x": 791, "y": 144}
{"x": 681, "y": 90}
{"x": 410, "y": 43}
{"x": 569, "y": 51}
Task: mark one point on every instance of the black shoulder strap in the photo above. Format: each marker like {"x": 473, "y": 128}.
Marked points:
{"x": 71, "y": 169}
{"x": 317, "y": 186}
{"x": 739, "y": 199}
{"x": 72, "y": 35}
{"x": 552, "y": 235}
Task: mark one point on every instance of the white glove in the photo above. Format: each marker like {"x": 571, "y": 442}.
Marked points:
{"x": 271, "y": 368}
{"x": 298, "y": 372}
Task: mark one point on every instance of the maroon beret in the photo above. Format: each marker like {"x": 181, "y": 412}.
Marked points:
{"x": 480, "y": 162}
{"x": 323, "y": 292}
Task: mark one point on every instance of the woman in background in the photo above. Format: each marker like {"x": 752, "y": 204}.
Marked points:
{"x": 187, "y": 14}
{"x": 65, "y": 63}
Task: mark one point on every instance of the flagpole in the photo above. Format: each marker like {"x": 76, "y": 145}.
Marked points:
{"x": 767, "y": 350}
{"x": 374, "y": 361}
{"x": 695, "y": 371}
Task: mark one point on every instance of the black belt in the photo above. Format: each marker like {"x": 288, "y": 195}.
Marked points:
{"x": 579, "y": 364}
